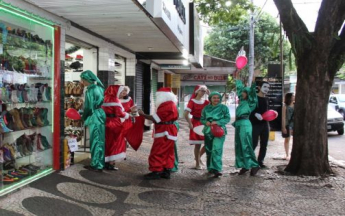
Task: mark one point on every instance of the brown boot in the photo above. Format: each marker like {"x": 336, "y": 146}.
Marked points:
{"x": 18, "y": 122}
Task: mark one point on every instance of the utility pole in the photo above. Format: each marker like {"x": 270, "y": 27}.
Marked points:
{"x": 251, "y": 47}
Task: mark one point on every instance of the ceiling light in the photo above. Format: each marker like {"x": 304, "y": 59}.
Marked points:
{"x": 129, "y": 34}
{"x": 185, "y": 62}
{"x": 150, "y": 48}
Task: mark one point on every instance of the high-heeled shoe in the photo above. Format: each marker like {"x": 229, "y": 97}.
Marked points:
{"x": 3, "y": 126}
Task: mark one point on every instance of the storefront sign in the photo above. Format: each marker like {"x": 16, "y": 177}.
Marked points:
{"x": 203, "y": 77}
{"x": 196, "y": 44}
{"x": 175, "y": 81}
{"x": 174, "y": 67}
{"x": 275, "y": 96}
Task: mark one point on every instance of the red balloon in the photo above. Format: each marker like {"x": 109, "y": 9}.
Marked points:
{"x": 270, "y": 115}
{"x": 73, "y": 114}
{"x": 217, "y": 131}
{"x": 241, "y": 62}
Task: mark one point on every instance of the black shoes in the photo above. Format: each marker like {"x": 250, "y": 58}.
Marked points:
{"x": 165, "y": 174}
{"x": 93, "y": 169}
{"x": 152, "y": 176}
{"x": 254, "y": 171}
{"x": 217, "y": 174}
{"x": 109, "y": 166}
{"x": 262, "y": 166}
{"x": 242, "y": 171}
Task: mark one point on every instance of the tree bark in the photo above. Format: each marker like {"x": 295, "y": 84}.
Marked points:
{"x": 319, "y": 56}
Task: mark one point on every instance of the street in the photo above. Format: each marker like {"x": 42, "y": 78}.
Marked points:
{"x": 77, "y": 191}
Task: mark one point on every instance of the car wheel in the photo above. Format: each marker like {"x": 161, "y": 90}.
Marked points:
{"x": 342, "y": 113}
{"x": 341, "y": 131}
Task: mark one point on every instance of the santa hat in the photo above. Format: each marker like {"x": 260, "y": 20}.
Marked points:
{"x": 164, "y": 94}
{"x": 121, "y": 88}
{"x": 197, "y": 89}
{"x": 164, "y": 89}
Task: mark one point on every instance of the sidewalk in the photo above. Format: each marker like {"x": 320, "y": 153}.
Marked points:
{"x": 77, "y": 191}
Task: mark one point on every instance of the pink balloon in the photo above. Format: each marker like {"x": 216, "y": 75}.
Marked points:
{"x": 241, "y": 62}
{"x": 270, "y": 115}
{"x": 73, "y": 114}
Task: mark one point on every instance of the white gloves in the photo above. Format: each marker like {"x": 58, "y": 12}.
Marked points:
{"x": 258, "y": 116}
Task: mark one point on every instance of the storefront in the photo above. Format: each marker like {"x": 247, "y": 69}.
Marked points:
{"x": 30, "y": 93}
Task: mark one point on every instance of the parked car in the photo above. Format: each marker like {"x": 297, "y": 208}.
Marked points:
{"x": 337, "y": 101}
{"x": 335, "y": 121}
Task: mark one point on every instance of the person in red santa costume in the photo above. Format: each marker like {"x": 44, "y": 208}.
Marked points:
{"x": 115, "y": 145}
{"x": 126, "y": 100}
{"x": 194, "y": 107}
{"x": 162, "y": 157}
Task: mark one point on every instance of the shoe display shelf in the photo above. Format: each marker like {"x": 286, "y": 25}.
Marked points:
{"x": 26, "y": 110}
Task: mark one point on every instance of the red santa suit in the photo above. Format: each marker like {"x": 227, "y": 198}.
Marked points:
{"x": 126, "y": 103}
{"x": 165, "y": 133}
{"x": 115, "y": 146}
{"x": 195, "y": 108}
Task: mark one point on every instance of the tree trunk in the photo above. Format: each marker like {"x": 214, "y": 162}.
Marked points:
{"x": 310, "y": 141}
{"x": 319, "y": 56}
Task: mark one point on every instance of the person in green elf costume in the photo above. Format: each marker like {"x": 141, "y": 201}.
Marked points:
{"x": 94, "y": 118}
{"x": 214, "y": 114}
{"x": 245, "y": 156}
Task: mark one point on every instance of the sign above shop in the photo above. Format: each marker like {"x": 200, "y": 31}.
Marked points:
{"x": 203, "y": 77}
{"x": 174, "y": 67}
{"x": 181, "y": 10}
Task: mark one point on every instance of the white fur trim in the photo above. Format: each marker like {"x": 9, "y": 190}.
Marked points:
{"x": 187, "y": 109}
{"x": 196, "y": 142}
{"x": 162, "y": 97}
{"x": 165, "y": 133}
{"x": 113, "y": 104}
{"x": 125, "y": 100}
{"x": 121, "y": 88}
{"x": 156, "y": 117}
{"x": 115, "y": 157}
{"x": 147, "y": 122}
{"x": 198, "y": 101}
{"x": 126, "y": 115}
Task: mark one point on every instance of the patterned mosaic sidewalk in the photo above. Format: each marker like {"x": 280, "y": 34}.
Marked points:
{"x": 77, "y": 191}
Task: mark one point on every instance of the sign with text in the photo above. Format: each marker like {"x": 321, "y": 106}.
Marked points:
{"x": 275, "y": 97}
{"x": 204, "y": 77}
{"x": 175, "y": 81}
{"x": 73, "y": 144}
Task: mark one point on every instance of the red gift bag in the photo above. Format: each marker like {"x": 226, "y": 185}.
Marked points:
{"x": 134, "y": 135}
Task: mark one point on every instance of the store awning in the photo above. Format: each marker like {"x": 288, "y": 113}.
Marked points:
{"x": 212, "y": 66}
{"x": 124, "y": 22}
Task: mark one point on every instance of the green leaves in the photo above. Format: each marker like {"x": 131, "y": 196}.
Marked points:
{"x": 215, "y": 12}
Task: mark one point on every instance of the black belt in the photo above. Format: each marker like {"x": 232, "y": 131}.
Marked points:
{"x": 166, "y": 123}
{"x": 242, "y": 117}
{"x": 111, "y": 115}
{"x": 196, "y": 118}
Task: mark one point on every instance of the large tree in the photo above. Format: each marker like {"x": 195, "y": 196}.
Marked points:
{"x": 319, "y": 55}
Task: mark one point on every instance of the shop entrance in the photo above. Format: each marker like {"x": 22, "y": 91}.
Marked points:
{"x": 79, "y": 56}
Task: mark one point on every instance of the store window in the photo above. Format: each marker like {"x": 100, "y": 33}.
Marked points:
{"x": 26, "y": 84}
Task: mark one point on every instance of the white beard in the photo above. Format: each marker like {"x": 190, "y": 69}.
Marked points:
{"x": 162, "y": 97}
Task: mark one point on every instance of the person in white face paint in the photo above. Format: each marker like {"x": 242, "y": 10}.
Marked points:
{"x": 260, "y": 126}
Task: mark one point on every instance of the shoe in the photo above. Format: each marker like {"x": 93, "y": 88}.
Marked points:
{"x": 109, "y": 166}
{"x": 38, "y": 118}
{"x": 8, "y": 118}
{"x": 17, "y": 120}
{"x": 198, "y": 167}
{"x": 22, "y": 117}
{"x": 93, "y": 169}
{"x": 3, "y": 126}
{"x": 254, "y": 171}
{"x": 217, "y": 174}
{"x": 152, "y": 176}
{"x": 242, "y": 171}
{"x": 165, "y": 174}
{"x": 262, "y": 166}
{"x": 44, "y": 116}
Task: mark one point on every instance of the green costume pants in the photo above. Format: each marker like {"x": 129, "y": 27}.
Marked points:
{"x": 214, "y": 152}
{"x": 245, "y": 156}
{"x": 176, "y": 159}
{"x": 97, "y": 138}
